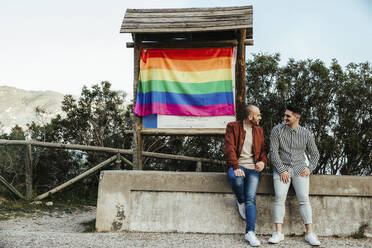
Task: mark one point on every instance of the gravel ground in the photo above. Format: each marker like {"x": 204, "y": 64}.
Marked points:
{"x": 46, "y": 230}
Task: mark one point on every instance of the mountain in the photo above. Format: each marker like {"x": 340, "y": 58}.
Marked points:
{"x": 17, "y": 106}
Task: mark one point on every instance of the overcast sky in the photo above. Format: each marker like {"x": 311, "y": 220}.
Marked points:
{"x": 63, "y": 45}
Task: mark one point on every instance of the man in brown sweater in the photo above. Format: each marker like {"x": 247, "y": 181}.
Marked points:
{"x": 246, "y": 157}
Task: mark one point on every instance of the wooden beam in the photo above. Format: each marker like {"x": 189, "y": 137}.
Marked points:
{"x": 66, "y": 146}
{"x": 181, "y": 157}
{"x": 180, "y": 29}
{"x": 137, "y": 138}
{"x": 111, "y": 150}
{"x": 201, "y": 20}
{"x": 180, "y": 131}
{"x": 77, "y": 178}
{"x": 248, "y": 43}
{"x": 240, "y": 75}
{"x": 178, "y": 24}
{"x": 176, "y": 10}
{"x": 28, "y": 168}
{"x": 198, "y": 166}
{"x": 127, "y": 161}
{"x": 189, "y": 44}
{"x": 185, "y": 44}
{"x": 11, "y": 187}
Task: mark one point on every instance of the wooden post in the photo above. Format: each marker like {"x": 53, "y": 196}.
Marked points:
{"x": 11, "y": 188}
{"x": 77, "y": 178}
{"x": 137, "y": 138}
{"x": 198, "y": 166}
{"x": 28, "y": 169}
{"x": 126, "y": 161}
{"x": 118, "y": 161}
{"x": 240, "y": 75}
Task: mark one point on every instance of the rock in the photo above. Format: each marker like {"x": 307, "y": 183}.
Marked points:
{"x": 36, "y": 202}
{"x": 49, "y": 204}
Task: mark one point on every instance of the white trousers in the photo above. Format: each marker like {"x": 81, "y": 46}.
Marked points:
{"x": 301, "y": 186}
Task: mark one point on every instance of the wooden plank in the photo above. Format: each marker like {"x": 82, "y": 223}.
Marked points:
{"x": 65, "y": 146}
{"x": 127, "y": 161}
{"x": 190, "y": 44}
{"x": 28, "y": 168}
{"x": 181, "y": 157}
{"x": 187, "y": 24}
{"x": 198, "y": 166}
{"x": 194, "y": 36}
{"x": 11, "y": 187}
{"x": 167, "y": 30}
{"x": 183, "y": 131}
{"x": 189, "y": 14}
{"x": 180, "y": 131}
{"x": 13, "y": 142}
{"x": 240, "y": 75}
{"x": 185, "y": 44}
{"x": 176, "y": 10}
{"x": 248, "y": 42}
{"x": 137, "y": 138}
{"x": 77, "y": 178}
{"x": 188, "y": 20}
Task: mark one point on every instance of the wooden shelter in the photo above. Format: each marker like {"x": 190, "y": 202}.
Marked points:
{"x": 188, "y": 28}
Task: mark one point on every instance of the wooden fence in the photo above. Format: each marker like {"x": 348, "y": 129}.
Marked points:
{"x": 117, "y": 157}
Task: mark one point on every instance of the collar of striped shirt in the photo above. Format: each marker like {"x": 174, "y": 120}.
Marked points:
{"x": 293, "y": 130}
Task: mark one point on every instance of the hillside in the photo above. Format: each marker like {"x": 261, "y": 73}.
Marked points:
{"x": 17, "y": 106}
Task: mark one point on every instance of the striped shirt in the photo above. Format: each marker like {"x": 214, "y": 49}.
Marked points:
{"x": 288, "y": 148}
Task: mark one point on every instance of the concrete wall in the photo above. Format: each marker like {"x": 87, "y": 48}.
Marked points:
{"x": 153, "y": 201}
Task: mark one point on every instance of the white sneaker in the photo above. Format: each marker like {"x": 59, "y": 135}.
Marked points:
{"x": 241, "y": 209}
{"x": 312, "y": 239}
{"x": 250, "y": 237}
{"x": 276, "y": 238}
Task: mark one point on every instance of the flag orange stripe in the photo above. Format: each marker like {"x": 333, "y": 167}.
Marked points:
{"x": 186, "y": 65}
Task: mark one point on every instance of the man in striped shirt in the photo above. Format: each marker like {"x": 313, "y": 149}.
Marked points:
{"x": 288, "y": 144}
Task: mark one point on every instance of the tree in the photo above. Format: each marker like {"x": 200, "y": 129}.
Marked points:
{"x": 12, "y": 158}
{"x": 336, "y": 106}
{"x": 98, "y": 118}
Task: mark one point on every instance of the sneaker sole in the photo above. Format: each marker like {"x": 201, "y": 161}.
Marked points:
{"x": 271, "y": 242}
{"x": 311, "y": 244}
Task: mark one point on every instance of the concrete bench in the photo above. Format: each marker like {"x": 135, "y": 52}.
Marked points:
{"x": 158, "y": 201}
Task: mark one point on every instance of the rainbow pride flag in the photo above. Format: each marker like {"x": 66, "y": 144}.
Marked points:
{"x": 186, "y": 82}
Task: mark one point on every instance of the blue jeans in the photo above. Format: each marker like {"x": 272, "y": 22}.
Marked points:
{"x": 245, "y": 189}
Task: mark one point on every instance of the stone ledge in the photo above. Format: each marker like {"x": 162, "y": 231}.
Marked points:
{"x": 157, "y": 201}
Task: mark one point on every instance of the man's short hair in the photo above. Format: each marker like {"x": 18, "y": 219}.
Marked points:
{"x": 294, "y": 109}
{"x": 247, "y": 109}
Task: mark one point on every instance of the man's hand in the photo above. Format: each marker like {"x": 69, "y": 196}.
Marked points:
{"x": 284, "y": 177}
{"x": 239, "y": 173}
{"x": 259, "y": 166}
{"x": 305, "y": 172}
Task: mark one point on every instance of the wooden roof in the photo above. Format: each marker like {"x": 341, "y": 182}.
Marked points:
{"x": 187, "y": 20}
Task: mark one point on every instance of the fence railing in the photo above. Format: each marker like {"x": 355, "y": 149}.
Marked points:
{"x": 117, "y": 157}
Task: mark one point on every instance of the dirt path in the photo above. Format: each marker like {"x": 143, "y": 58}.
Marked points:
{"x": 56, "y": 229}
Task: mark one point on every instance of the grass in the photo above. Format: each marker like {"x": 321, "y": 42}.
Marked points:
{"x": 20, "y": 208}
{"x": 360, "y": 234}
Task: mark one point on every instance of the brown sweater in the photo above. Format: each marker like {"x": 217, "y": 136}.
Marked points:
{"x": 234, "y": 140}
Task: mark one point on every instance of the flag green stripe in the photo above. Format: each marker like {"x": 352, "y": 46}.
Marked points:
{"x": 185, "y": 88}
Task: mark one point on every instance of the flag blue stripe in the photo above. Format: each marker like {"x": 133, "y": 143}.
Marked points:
{"x": 185, "y": 99}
